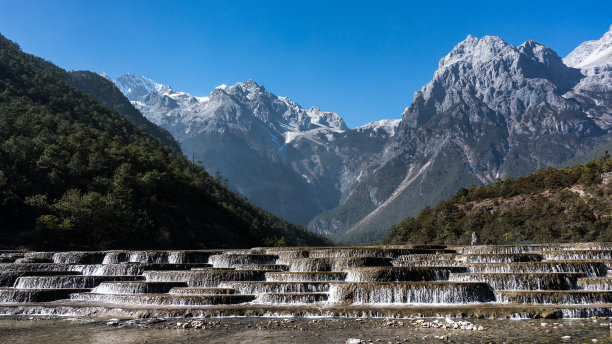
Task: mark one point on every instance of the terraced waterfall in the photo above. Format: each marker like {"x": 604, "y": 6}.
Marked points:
{"x": 553, "y": 280}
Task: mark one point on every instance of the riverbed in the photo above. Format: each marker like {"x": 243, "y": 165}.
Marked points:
{"x": 53, "y": 330}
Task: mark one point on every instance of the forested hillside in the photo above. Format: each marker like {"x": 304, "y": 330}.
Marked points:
{"x": 572, "y": 204}
{"x": 76, "y": 175}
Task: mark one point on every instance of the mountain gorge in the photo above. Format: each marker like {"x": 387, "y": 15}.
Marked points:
{"x": 292, "y": 161}
{"x": 491, "y": 110}
{"x": 81, "y": 169}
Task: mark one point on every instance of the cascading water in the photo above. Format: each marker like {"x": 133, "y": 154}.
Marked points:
{"x": 204, "y": 278}
{"x": 522, "y": 281}
{"x": 411, "y": 292}
{"x": 401, "y": 274}
{"x": 117, "y": 287}
{"x": 318, "y": 276}
{"x": 561, "y": 279}
{"x": 68, "y": 281}
{"x": 229, "y": 260}
{"x": 590, "y": 268}
{"x": 249, "y": 287}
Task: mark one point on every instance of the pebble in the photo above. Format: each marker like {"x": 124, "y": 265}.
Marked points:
{"x": 355, "y": 341}
{"x": 566, "y": 337}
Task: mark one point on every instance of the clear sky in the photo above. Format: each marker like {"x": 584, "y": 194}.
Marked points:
{"x": 362, "y": 59}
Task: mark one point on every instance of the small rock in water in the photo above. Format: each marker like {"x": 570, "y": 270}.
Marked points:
{"x": 112, "y": 322}
{"x": 566, "y": 337}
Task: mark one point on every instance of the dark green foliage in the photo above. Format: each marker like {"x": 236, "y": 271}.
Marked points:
{"x": 76, "y": 175}
{"x": 536, "y": 208}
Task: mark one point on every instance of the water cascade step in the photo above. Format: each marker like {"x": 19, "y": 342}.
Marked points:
{"x": 395, "y": 274}
{"x": 500, "y": 258}
{"x": 261, "y": 267}
{"x": 248, "y": 287}
{"x": 590, "y": 268}
{"x": 576, "y": 254}
{"x": 291, "y": 298}
{"x": 137, "y": 287}
{"x": 317, "y": 276}
{"x": 334, "y": 264}
{"x": 8, "y": 279}
{"x": 596, "y": 283}
{"x": 554, "y": 296}
{"x": 204, "y": 278}
{"x": 569, "y": 280}
{"x": 522, "y": 281}
{"x": 68, "y": 281}
{"x": 202, "y": 291}
{"x": 229, "y": 260}
{"x": 411, "y": 292}
{"x": 14, "y": 295}
{"x": 163, "y": 299}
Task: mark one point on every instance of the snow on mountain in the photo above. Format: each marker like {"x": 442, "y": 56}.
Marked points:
{"x": 163, "y": 105}
{"x": 595, "y": 60}
{"x": 491, "y": 110}
{"x": 388, "y": 126}
{"x": 507, "y": 78}
{"x": 592, "y": 54}
{"x": 292, "y": 161}
{"x": 135, "y": 87}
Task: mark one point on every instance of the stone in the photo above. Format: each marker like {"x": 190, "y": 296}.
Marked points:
{"x": 475, "y": 239}
{"x": 354, "y": 341}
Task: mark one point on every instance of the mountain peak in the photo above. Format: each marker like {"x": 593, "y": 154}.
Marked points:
{"x": 506, "y": 78}
{"x": 326, "y": 119}
{"x": 249, "y": 88}
{"x": 592, "y": 54}
{"x": 473, "y": 48}
{"x": 135, "y": 87}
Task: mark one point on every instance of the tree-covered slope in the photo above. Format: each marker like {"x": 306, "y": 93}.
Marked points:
{"x": 551, "y": 205}
{"x": 75, "y": 174}
{"x": 591, "y": 155}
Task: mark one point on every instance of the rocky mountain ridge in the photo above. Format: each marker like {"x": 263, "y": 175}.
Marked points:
{"x": 491, "y": 110}
{"x": 292, "y": 161}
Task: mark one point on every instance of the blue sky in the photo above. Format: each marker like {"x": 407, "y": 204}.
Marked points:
{"x": 362, "y": 59}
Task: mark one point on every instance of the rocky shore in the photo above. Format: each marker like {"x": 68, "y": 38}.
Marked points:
{"x": 303, "y": 330}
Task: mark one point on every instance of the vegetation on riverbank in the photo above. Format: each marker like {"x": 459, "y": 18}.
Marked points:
{"x": 571, "y": 204}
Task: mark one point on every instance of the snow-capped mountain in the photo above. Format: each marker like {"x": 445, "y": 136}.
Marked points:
{"x": 592, "y": 54}
{"x": 595, "y": 60}
{"x": 134, "y": 87}
{"x": 491, "y": 110}
{"x": 385, "y": 127}
{"x": 292, "y": 161}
